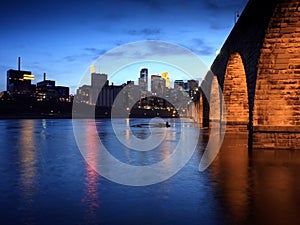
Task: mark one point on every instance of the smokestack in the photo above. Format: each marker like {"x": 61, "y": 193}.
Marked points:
{"x": 19, "y": 63}
{"x": 44, "y": 76}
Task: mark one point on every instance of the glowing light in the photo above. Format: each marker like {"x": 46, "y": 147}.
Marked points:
{"x": 165, "y": 75}
{"x": 28, "y": 77}
{"x": 92, "y": 68}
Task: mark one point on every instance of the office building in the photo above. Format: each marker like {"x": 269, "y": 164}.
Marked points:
{"x": 165, "y": 75}
{"x": 98, "y": 82}
{"x": 19, "y": 81}
{"x": 47, "y": 91}
{"x": 158, "y": 84}
{"x": 143, "y": 80}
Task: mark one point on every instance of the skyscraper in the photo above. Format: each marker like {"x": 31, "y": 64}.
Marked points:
{"x": 158, "y": 84}
{"x": 165, "y": 75}
{"x": 143, "y": 80}
{"x": 98, "y": 81}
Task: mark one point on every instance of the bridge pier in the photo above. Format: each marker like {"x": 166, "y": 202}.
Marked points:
{"x": 276, "y": 137}
{"x": 258, "y": 73}
{"x": 236, "y": 127}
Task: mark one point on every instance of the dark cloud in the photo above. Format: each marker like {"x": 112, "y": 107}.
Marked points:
{"x": 70, "y": 58}
{"x": 205, "y": 51}
{"x": 95, "y": 51}
{"x": 90, "y": 53}
{"x": 144, "y": 32}
{"x": 200, "y": 47}
{"x": 218, "y": 26}
{"x": 218, "y": 5}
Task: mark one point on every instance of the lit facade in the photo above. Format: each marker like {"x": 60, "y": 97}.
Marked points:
{"x": 143, "y": 80}
{"x": 19, "y": 82}
{"x": 98, "y": 81}
{"x": 47, "y": 91}
{"x": 158, "y": 84}
{"x": 165, "y": 75}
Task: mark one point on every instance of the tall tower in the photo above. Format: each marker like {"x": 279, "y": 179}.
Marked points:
{"x": 165, "y": 75}
{"x": 98, "y": 82}
{"x": 158, "y": 84}
{"x": 143, "y": 80}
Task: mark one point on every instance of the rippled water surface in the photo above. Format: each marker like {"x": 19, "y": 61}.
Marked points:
{"x": 44, "y": 179}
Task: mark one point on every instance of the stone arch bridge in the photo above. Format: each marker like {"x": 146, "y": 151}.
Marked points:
{"x": 258, "y": 72}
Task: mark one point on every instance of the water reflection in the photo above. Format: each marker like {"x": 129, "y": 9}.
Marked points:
{"x": 91, "y": 200}
{"x": 230, "y": 170}
{"x": 276, "y": 186}
{"x": 237, "y": 188}
{"x": 27, "y": 154}
{"x": 27, "y": 159}
{"x": 258, "y": 188}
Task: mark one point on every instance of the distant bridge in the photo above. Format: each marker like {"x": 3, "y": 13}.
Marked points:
{"x": 258, "y": 71}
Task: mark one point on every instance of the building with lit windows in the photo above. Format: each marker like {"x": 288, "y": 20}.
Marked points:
{"x": 98, "y": 82}
{"x": 19, "y": 81}
{"x": 47, "y": 91}
{"x": 165, "y": 75}
{"x": 83, "y": 94}
{"x": 158, "y": 84}
{"x": 143, "y": 80}
{"x": 179, "y": 85}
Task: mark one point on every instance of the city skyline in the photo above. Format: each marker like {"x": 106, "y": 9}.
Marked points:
{"x": 64, "y": 38}
{"x": 92, "y": 70}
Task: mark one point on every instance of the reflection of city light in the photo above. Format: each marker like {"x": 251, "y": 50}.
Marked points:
{"x": 91, "y": 197}
{"x": 27, "y": 158}
{"x": 127, "y": 122}
{"x": 127, "y": 134}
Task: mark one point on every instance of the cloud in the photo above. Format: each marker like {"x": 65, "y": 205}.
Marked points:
{"x": 144, "y": 32}
{"x": 218, "y": 26}
{"x": 89, "y": 53}
{"x": 94, "y": 52}
{"x": 205, "y": 51}
{"x": 224, "y": 7}
{"x": 200, "y": 47}
{"x": 70, "y": 58}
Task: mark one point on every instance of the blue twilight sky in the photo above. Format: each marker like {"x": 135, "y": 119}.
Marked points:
{"x": 63, "y": 37}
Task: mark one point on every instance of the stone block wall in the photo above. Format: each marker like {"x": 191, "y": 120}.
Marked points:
{"x": 235, "y": 92}
{"x": 267, "y": 39}
{"x": 277, "y": 97}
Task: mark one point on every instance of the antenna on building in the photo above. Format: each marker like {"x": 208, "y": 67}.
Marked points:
{"x": 19, "y": 63}
{"x": 44, "y": 76}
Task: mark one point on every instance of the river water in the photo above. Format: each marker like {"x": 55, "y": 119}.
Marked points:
{"x": 44, "y": 179}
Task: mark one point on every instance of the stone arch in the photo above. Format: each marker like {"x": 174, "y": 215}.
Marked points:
{"x": 214, "y": 101}
{"x": 277, "y": 101}
{"x": 235, "y": 93}
{"x": 195, "y": 109}
{"x": 200, "y": 108}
